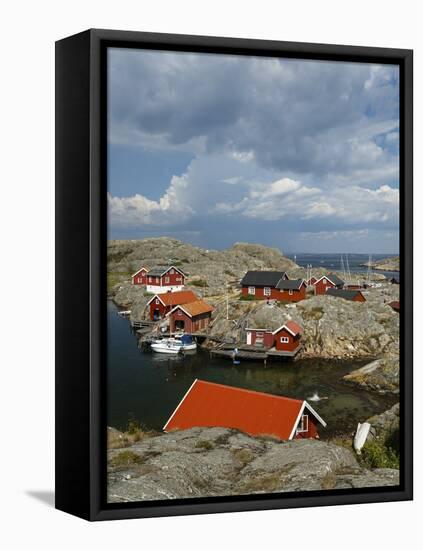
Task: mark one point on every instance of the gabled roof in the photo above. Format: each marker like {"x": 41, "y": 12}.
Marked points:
{"x": 194, "y": 308}
{"x": 175, "y": 298}
{"x": 294, "y": 284}
{"x": 159, "y": 270}
{"x": 140, "y": 269}
{"x": 262, "y": 278}
{"x": 208, "y": 404}
{"x": 340, "y": 293}
{"x": 334, "y": 279}
{"x": 292, "y": 327}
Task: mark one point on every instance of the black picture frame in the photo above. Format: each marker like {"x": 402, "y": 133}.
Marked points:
{"x": 81, "y": 234}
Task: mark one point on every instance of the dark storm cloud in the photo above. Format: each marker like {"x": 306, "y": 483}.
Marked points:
{"x": 302, "y": 116}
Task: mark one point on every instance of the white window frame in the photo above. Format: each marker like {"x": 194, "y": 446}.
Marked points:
{"x": 290, "y": 292}
{"x": 267, "y": 291}
{"x": 284, "y": 340}
{"x": 179, "y": 312}
{"x": 252, "y": 290}
{"x": 150, "y": 279}
{"x": 157, "y": 301}
{"x": 171, "y": 272}
{"x": 324, "y": 281}
{"x": 167, "y": 279}
{"x": 303, "y": 424}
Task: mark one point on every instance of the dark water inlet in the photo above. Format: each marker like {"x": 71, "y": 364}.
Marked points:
{"x": 148, "y": 386}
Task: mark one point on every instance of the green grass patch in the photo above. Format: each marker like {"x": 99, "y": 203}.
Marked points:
{"x": 247, "y": 298}
{"x": 126, "y": 458}
{"x": 204, "y": 445}
{"x": 116, "y": 256}
{"x": 113, "y": 278}
{"x": 243, "y": 455}
{"x": 199, "y": 283}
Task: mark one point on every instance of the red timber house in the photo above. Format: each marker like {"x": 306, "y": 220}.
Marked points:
{"x": 327, "y": 281}
{"x": 161, "y": 304}
{"x": 285, "y": 339}
{"x": 207, "y": 404}
{"x": 190, "y": 317}
{"x": 140, "y": 277}
{"x": 291, "y": 291}
{"x": 272, "y": 285}
{"x": 351, "y": 295}
{"x": 162, "y": 279}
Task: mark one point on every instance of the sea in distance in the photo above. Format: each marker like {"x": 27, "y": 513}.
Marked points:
{"x": 333, "y": 262}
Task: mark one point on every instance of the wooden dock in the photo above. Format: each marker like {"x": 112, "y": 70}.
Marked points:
{"x": 250, "y": 353}
{"x": 143, "y": 324}
{"x": 250, "y": 356}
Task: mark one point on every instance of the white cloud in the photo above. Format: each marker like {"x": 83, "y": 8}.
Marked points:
{"x": 209, "y": 188}
{"x": 139, "y": 210}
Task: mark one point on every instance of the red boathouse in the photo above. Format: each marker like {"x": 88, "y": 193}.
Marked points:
{"x": 191, "y": 317}
{"x": 161, "y": 304}
{"x": 286, "y": 338}
{"x": 207, "y": 404}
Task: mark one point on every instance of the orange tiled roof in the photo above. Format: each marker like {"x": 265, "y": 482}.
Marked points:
{"x": 208, "y": 404}
{"x": 176, "y": 298}
{"x": 197, "y": 308}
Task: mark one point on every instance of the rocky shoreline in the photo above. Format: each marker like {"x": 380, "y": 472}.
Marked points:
{"x": 207, "y": 462}
{"x": 386, "y": 264}
{"x": 333, "y": 328}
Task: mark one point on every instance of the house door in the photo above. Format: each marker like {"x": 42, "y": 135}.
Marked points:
{"x": 156, "y": 314}
{"x": 259, "y": 338}
{"x": 248, "y": 338}
{"x": 179, "y": 325}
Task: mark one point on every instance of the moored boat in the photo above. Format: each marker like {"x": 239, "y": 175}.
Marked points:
{"x": 174, "y": 344}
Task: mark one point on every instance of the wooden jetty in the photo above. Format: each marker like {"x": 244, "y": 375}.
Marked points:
{"x": 251, "y": 353}
{"x": 143, "y": 324}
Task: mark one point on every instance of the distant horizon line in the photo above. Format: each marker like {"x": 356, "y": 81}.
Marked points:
{"x": 282, "y": 250}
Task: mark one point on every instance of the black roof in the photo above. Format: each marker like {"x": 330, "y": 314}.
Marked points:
{"x": 159, "y": 270}
{"x": 335, "y": 279}
{"x": 340, "y": 293}
{"x": 294, "y": 284}
{"x": 262, "y": 278}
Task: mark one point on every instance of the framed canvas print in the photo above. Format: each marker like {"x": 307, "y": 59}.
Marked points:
{"x": 234, "y": 274}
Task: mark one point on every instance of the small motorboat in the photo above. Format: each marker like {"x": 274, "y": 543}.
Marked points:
{"x": 125, "y": 313}
{"x": 174, "y": 344}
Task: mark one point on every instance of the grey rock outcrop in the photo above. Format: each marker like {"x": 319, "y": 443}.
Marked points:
{"x": 215, "y": 461}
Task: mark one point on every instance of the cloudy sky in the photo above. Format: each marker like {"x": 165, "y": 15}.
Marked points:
{"x": 301, "y": 155}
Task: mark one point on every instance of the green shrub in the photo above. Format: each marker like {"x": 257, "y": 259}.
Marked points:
{"x": 377, "y": 454}
{"x": 204, "y": 444}
{"x": 126, "y": 458}
{"x": 133, "y": 426}
{"x": 247, "y": 298}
